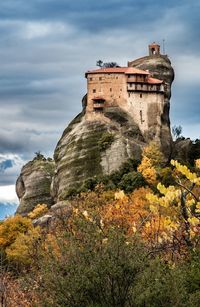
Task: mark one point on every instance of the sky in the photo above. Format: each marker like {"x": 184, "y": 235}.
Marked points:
{"x": 46, "y": 46}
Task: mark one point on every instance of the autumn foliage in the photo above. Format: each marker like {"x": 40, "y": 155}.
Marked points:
{"x": 115, "y": 249}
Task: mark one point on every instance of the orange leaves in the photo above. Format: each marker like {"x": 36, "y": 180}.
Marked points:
{"x": 38, "y": 211}
{"x": 11, "y": 228}
{"x": 127, "y": 212}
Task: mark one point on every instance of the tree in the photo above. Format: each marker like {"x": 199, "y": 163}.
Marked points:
{"x": 176, "y": 131}
{"x": 99, "y": 63}
{"x": 152, "y": 162}
{"x": 178, "y": 207}
{"x": 110, "y": 65}
{"x": 39, "y": 156}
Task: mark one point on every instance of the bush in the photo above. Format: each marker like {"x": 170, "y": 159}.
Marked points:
{"x": 91, "y": 271}
{"x": 11, "y": 228}
{"x": 106, "y": 141}
{"x": 131, "y": 181}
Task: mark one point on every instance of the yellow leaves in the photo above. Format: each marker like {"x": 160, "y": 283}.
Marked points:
{"x": 152, "y": 198}
{"x": 190, "y": 202}
{"x": 52, "y": 244}
{"x": 153, "y": 209}
{"x": 87, "y": 217}
{"x": 105, "y": 241}
{"x": 12, "y": 227}
{"x": 120, "y": 195}
{"x": 163, "y": 190}
{"x": 183, "y": 169}
{"x": 85, "y": 214}
{"x": 39, "y": 210}
{"x": 147, "y": 170}
{"x": 152, "y": 160}
{"x": 23, "y": 249}
{"x": 170, "y": 193}
{"x": 194, "y": 221}
{"x": 197, "y": 163}
{"x": 75, "y": 211}
{"x": 198, "y": 207}
{"x": 176, "y": 206}
{"x": 152, "y": 152}
{"x": 117, "y": 206}
{"x": 160, "y": 229}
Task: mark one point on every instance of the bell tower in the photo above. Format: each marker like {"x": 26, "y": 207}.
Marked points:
{"x": 154, "y": 49}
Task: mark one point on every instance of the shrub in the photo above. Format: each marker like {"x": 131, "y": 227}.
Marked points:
{"x": 105, "y": 141}
{"x": 38, "y": 211}
{"x": 11, "y": 228}
{"x": 131, "y": 181}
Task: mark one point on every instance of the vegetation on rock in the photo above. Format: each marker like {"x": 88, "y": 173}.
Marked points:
{"x": 137, "y": 247}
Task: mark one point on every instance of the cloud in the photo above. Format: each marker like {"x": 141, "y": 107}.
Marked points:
{"x": 5, "y": 164}
{"x": 10, "y": 167}
{"x": 46, "y": 47}
{"x": 8, "y": 194}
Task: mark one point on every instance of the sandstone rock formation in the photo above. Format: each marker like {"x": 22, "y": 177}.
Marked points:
{"x": 160, "y": 67}
{"x": 81, "y": 153}
{"x": 58, "y": 213}
{"x": 98, "y": 143}
{"x": 93, "y": 148}
{"x": 33, "y": 184}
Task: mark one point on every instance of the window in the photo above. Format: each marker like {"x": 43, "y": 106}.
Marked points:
{"x": 110, "y": 89}
{"x": 100, "y": 78}
{"x": 141, "y": 116}
{"x": 116, "y": 77}
{"x": 90, "y": 78}
{"x": 94, "y": 90}
{"x": 140, "y": 95}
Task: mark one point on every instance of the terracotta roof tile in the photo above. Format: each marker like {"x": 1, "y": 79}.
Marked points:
{"x": 123, "y": 70}
{"x": 154, "y": 81}
{"x": 126, "y": 71}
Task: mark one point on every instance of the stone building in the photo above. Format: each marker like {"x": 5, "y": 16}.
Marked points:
{"x": 132, "y": 89}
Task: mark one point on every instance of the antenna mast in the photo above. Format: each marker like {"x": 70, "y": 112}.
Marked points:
{"x": 164, "y": 46}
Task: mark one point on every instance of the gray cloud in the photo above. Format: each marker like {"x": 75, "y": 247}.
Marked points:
{"x": 46, "y": 46}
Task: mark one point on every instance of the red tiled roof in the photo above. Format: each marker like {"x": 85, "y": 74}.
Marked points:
{"x": 154, "y": 81}
{"x": 118, "y": 70}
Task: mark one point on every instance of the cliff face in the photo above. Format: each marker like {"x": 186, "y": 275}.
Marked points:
{"x": 93, "y": 148}
{"x": 33, "y": 185}
{"x": 97, "y": 145}
{"x": 160, "y": 67}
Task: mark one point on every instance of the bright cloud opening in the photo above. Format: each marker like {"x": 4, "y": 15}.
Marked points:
{"x": 8, "y": 194}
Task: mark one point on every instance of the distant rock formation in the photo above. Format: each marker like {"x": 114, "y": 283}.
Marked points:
{"x": 33, "y": 184}
{"x": 182, "y": 150}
